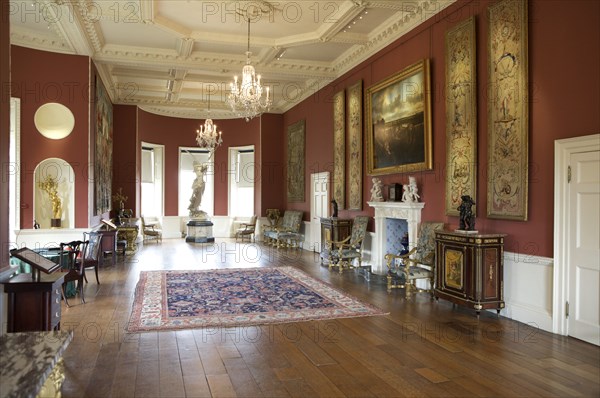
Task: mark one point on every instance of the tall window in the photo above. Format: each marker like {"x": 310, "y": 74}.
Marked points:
{"x": 187, "y": 157}
{"x": 152, "y": 179}
{"x": 241, "y": 181}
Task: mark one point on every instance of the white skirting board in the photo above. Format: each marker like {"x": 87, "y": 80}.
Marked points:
{"x": 528, "y": 289}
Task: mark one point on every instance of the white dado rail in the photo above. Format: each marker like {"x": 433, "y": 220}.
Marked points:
{"x": 411, "y": 212}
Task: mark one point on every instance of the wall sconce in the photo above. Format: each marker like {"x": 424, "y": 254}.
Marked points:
{"x": 54, "y": 120}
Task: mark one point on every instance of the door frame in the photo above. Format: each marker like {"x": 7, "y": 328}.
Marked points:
{"x": 314, "y": 227}
{"x": 563, "y": 149}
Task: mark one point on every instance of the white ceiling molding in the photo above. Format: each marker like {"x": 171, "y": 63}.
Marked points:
{"x": 160, "y": 55}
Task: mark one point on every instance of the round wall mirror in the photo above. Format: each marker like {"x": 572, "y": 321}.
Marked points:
{"x": 54, "y": 120}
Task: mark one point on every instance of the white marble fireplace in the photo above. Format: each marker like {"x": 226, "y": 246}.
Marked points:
{"x": 411, "y": 212}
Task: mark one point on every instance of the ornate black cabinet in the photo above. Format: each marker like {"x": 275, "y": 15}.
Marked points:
{"x": 469, "y": 269}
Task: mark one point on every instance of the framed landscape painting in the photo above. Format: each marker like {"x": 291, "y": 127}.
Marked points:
{"x": 398, "y": 122}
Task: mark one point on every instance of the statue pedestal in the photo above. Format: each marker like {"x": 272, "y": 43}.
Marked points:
{"x": 55, "y": 223}
{"x": 199, "y": 231}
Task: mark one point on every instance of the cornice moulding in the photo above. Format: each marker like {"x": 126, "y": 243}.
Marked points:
{"x": 25, "y": 38}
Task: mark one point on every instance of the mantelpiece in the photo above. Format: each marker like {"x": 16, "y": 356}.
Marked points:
{"x": 411, "y": 212}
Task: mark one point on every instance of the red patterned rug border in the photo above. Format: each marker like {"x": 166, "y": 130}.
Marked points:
{"x": 349, "y": 306}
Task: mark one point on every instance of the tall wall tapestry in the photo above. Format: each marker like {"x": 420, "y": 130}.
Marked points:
{"x": 103, "y": 150}
{"x": 355, "y": 132}
{"x": 508, "y": 111}
{"x": 398, "y": 112}
{"x": 295, "y": 162}
{"x": 339, "y": 148}
{"x": 461, "y": 115}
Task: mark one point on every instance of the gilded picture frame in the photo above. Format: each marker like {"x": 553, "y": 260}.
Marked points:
{"x": 296, "y": 161}
{"x": 355, "y": 145}
{"x": 508, "y": 111}
{"x": 461, "y": 115}
{"x": 339, "y": 148}
{"x": 398, "y": 122}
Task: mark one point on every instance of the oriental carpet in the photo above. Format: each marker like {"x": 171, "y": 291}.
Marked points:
{"x": 171, "y": 300}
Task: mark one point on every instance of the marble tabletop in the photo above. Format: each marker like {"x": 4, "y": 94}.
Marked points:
{"x": 27, "y": 360}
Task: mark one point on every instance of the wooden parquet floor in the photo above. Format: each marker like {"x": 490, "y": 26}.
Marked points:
{"x": 422, "y": 348}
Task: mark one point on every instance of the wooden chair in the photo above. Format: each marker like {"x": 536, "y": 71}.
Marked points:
{"x": 150, "y": 231}
{"x": 342, "y": 254}
{"x": 69, "y": 252}
{"x": 418, "y": 263}
{"x": 247, "y": 229}
{"x": 91, "y": 254}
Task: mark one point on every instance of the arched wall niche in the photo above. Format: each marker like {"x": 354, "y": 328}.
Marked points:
{"x": 63, "y": 173}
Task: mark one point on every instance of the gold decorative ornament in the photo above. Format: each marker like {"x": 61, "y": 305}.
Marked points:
{"x": 120, "y": 198}
{"x": 50, "y": 186}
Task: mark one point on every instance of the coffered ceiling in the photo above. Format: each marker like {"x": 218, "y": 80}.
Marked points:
{"x": 170, "y": 56}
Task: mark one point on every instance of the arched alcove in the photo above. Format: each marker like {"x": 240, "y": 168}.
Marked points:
{"x": 62, "y": 172}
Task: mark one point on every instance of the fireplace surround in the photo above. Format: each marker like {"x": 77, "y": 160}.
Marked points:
{"x": 411, "y": 212}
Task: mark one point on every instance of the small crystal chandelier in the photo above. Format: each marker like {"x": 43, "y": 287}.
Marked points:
{"x": 246, "y": 99}
{"x": 207, "y": 136}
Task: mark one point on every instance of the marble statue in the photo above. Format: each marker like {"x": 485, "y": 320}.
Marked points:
{"x": 197, "y": 191}
{"x": 410, "y": 194}
{"x": 377, "y": 190}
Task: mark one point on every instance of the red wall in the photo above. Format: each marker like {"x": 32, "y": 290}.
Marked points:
{"x": 564, "y": 37}
{"x": 126, "y": 172}
{"x": 271, "y": 180}
{"x": 39, "y": 77}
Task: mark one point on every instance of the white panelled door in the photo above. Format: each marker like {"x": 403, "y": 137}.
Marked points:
{"x": 584, "y": 247}
{"x": 319, "y": 206}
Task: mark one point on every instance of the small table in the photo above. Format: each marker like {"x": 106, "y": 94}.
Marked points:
{"x": 129, "y": 231}
{"x": 33, "y": 305}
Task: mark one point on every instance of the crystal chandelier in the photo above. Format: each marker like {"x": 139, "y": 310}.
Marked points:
{"x": 246, "y": 99}
{"x": 207, "y": 136}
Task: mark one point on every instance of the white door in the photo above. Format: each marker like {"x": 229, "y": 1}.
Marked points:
{"x": 584, "y": 247}
{"x": 319, "y": 206}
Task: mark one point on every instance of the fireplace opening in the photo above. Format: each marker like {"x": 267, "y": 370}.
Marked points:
{"x": 395, "y": 230}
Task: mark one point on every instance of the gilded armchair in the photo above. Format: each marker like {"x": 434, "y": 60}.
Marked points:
{"x": 342, "y": 254}
{"x": 418, "y": 263}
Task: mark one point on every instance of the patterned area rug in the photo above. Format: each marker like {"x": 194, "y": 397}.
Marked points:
{"x": 168, "y": 300}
